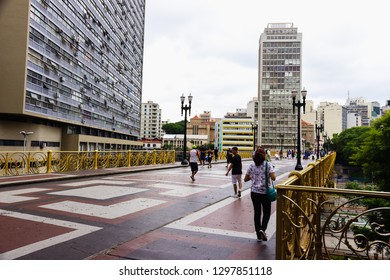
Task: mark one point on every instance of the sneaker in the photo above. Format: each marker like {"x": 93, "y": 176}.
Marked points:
{"x": 239, "y": 194}
{"x": 263, "y": 236}
{"x": 193, "y": 179}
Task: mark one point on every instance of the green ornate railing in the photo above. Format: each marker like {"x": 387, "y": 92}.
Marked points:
{"x": 315, "y": 220}
{"x": 18, "y": 163}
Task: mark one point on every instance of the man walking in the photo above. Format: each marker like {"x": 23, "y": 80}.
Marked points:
{"x": 236, "y": 168}
{"x": 194, "y": 156}
{"x": 216, "y": 153}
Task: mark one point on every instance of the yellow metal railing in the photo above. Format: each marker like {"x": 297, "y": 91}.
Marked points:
{"x": 315, "y": 220}
{"x": 18, "y": 163}
{"x": 243, "y": 154}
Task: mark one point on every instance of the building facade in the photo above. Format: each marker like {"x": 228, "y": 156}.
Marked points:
{"x": 280, "y": 72}
{"x": 74, "y": 73}
{"x": 152, "y": 144}
{"x": 308, "y": 135}
{"x": 151, "y": 124}
{"x": 385, "y": 108}
{"x": 176, "y": 141}
{"x": 361, "y": 112}
{"x": 230, "y": 132}
{"x": 252, "y": 108}
{"x": 203, "y": 124}
{"x": 333, "y": 116}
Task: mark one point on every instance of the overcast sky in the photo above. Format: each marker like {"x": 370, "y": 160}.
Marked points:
{"x": 209, "y": 48}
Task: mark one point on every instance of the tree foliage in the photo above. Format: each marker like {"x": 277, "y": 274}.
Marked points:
{"x": 373, "y": 154}
{"x": 346, "y": 143}
{"x": 174, "y": 128}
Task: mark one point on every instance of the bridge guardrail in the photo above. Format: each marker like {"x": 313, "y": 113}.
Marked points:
{"x": 315, "y": 220}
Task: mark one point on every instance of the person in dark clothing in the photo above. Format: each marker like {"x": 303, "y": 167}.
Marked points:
{"x": 236, "y": 167}
{"x": 210, "y": 153}
{"x": 228, "y": 157}
{"x": 202, "y": 154}
{"x": 216, "y": 153}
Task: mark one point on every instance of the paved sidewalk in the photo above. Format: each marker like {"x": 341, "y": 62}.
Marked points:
{"x": 45, "y": 177}
{"x": 101, "y": 214}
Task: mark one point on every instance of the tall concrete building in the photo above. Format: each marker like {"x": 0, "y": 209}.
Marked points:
{"x": 151, "y": 125}
{"x": 71, "y": 73}
{"x": 361, "y": 112}
{"x": 280, "y": 72}
{"x": 334, "y": 117}
{"x": 252, "y": 108}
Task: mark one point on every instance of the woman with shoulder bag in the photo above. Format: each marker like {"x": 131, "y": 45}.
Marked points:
{"x": 258, "y": 172}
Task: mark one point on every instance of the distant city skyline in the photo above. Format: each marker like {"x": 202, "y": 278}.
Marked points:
{"x": 210, "y": 49}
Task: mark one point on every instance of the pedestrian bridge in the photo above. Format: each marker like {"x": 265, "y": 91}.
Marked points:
{"x": 314, "y": 218}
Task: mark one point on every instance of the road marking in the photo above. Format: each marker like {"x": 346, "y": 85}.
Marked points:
{"x": 177, "y": 190}
{"x": 183, "y": 183}
{"x": 100, "y": 192}
{"x": 79, "y": 230}
{"x": 185, "y": 222}
{"x": 96, "y": 182}
{"x": 15, "y": 195}
{"x": 112, "y": 211}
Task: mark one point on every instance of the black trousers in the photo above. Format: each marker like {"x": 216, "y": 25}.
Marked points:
{"x": 261, "y": 204}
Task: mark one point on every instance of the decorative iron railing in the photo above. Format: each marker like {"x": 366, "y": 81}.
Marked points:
{"x": 18, "y": 163}
{"x": 317, "y": 221}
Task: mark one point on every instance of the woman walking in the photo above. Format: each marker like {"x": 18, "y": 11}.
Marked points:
{"x": 261, "y": 205}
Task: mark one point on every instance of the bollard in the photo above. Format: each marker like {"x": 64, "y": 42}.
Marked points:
{"x": 49, "y": 161}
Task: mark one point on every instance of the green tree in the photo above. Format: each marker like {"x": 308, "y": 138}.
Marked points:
{"x": 374, "y": 153}
{"x": 346, "y": 143}
{"x": 174, "y": 128}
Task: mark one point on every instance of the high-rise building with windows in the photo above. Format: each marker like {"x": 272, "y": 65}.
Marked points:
{"x": 280, "y": 72}
{"x": 151, "y": 120}
{"x": 71, "y": 73}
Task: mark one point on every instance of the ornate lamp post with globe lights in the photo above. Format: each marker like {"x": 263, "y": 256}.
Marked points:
{"x": 319, "y": 129}
{"x": 254, "y": 130}
{"x": 299, "y": 104}
{"x": 185, "y": 108}
{"x": 25, "y": 134}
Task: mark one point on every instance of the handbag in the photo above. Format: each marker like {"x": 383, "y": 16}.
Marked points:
{"x": 271, "y": 191}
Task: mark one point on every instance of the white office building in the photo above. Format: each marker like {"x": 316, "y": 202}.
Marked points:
{"x": 334, "y": 118}
{"x": 150, "y": 120}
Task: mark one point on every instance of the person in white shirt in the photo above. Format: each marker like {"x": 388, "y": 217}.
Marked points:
{"x": 194, "y": 157}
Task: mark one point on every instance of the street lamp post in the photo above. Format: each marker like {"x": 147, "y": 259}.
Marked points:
{"x": 281, "y": 136}
{"x": 299, "y": 104}
{"x": 185, "y": 108}
{"x": 319, "y": 129}
{"x": 294, "y": 139}
{"x": 325, "y": 137}
{"x": 254, "y": 129}
{"x": 25, "y": 134}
